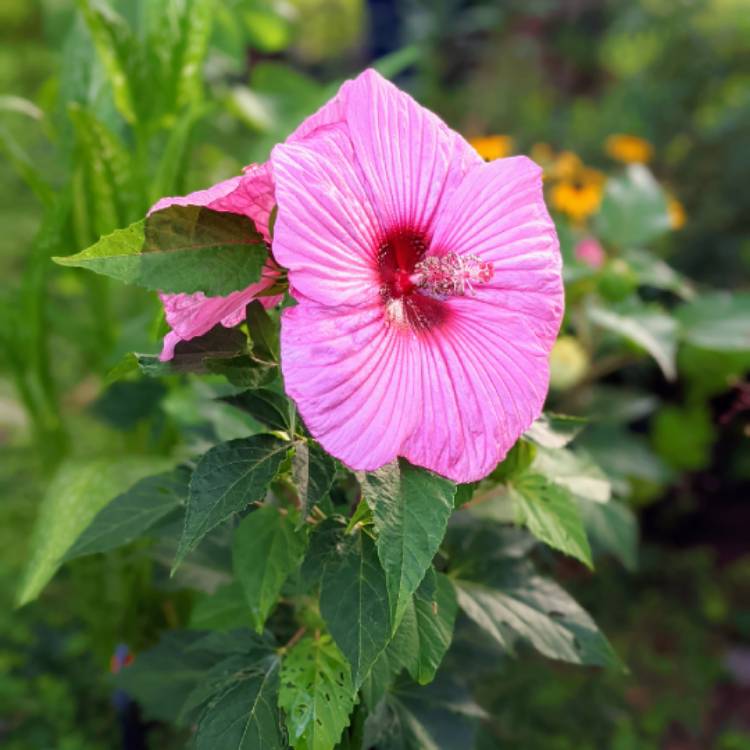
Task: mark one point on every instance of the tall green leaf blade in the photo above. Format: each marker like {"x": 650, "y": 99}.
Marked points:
{"x": 410, "y": 508}
{"x": 133, "y": 513}
{"x": 266, "y": 549}
{"x": 354, "y": 604}
{"x": 196, "y": 32}
{"x": 180, "y": 249}
{"x": 77, "y": 493}
{"x": 226, "y": 480}
{"x": 551, "y": 515}
{"x": 524, "y": 605}
{"x": 316, "y": 693}
{"x": 245, "y": 716}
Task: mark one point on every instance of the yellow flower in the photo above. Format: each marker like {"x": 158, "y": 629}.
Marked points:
{"x": 677, "y": 215}
{"x": 579, "y": 197}
{"x": 629, "y": 149}
{"x": 566, "y": 166}
{"x": 569, "y": 363}
{"x": 492, "y": 147}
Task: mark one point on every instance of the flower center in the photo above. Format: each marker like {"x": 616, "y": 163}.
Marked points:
{"x": 413, "y": 284}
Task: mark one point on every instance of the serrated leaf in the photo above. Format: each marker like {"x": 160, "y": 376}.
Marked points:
{"x": 634, "y": 209}
{"x": 245, "y": 716}
{"x": 78, "y": 491}
{"x": 612, "y": 528}
{"x": 522, "y": 605}
{"x": 226, "y": 480}
{"x": 551, "y": 515}
{"x": 717, "y": 322}
{"x": 410, "y": 508}
{"x": 354, "y": 604}
{"x": 270, "y": 408}
{"x": 131, "y": 514}
{"x": 576, "y": 471}
{"x": 264, "y": 333}
{"x": 648, "y": 327}
{"x": 242, "y": 371}
{"x": 225, "y": 609}
{"x": 180, "y": 249}
{"x": 313, "y": 473}
{"x": 316, "y": 693}
{"x": 324, "y": 540}
{"x": 266, "y": 549}
{"x": 555, "y": 430}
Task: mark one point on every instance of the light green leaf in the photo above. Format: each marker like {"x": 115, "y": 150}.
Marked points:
{"x": 194, "y": 38}
{"x": 555, "y": 430}
{"x": 634, "y": 209}
{"x": 316, "y": 693}
{"x": 180, "y": 249}
{"x": 653, "y": 271}
{"x": 25, "y": 168}
{"x": 354, "y": 604}
{"x": 551, "y": 515}
{"x": 225, "y": 609}
{"x": 265, "y": 550}
{"x": 574, "y": 470}
{"x": 245, "y": 716}
{"x": 717, "y": 322}
{"x": 133, "y": 513}
{"x": 313, "y": 472}
{"x": 410, "y": 508}
{"x": 226, "y": 480}
{"x": 612, "y": 527}
{"x": 648, "y": 327}
{"x": 77, "y": 493}
{"x": 523, "y": 605}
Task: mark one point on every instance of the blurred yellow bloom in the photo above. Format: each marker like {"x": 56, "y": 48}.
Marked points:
{"x": 492, "y": 147}
{"x": 677, "y": 215}
{"x": 579, "y": 197}
{"x": 629, "y": 149}
{"x": 569, "y": 363}
{"x": 566, "y": 166}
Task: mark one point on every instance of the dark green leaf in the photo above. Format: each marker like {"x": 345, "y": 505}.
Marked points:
{"x": 133, "y": 513}
{"x": 324, "y": 540}
{"x": 517, "y": 460}
{"x": 266, "y": 549}
{"x": 316, "y": 693}
{"x": 245, "y": 716}
{"x": 612, "y": 528}
{"x": 410, "y": 508}
{"x": 270, "y": 408}
{"x": 523, "y": 605}
{"x": 242, "y": 371}
{"x": 551, "y": 515}
{"x": 653, "y": 271}
{"x": 354, "y": 604}
{"x": 182, "y": 249}
{"x": 313, "y": 472}
{"x": 264, "y": 333}
{"x": 225, "y": 609}
{"x": 226, "y": 480}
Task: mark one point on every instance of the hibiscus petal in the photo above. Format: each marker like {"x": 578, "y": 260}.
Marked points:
{"x": 353, "y": 379}
{"x": 410, "y": 159}
{"x": 326, "y": 233}
{"x": 191, "y": 315}
{"x": 498, "y": 214}
{"x": 484, "y": 381}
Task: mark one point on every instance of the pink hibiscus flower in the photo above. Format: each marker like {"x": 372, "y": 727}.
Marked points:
{"x": 428, "y": 285}
{"x": 191, "y": 315}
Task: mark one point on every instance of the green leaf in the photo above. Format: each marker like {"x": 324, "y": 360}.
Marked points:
{"x": 242, "y": 370}
{"x": 576, "y": 471}
{"x": 225, "y": 609}
{"x": 25, "y": 168}
{"x": 133, "y": 513}
{"x": 634, "y": 209}
{"x": 653, "y": 271}
{"x": 517, "y": 460}
{"x": 194, "y": 38}
{"x": 245, "y": 715}
{"x": 523, "y": 605}
{"x": 718, "y": 321}
{"x": 354, "y": 604}
{"x": 555, "y": 430}
{"x": 410, "y": 508}
{"x": 78, "y": 491}
{"x": 264, "y": 333}
{"x": 316, "y": 693}
{"x": 313, "y": 472}
{"x": 612, "y": 527}
{"x": 323, "y": 546}
{"x": 551, "y": 515}
{"x": 114, "y": 43}
{"x": 226, "y": 480}
{"x": 648, "y": 327}
{"x": 270, "y": 408}
{"x": 266, "y": 549}
{"x": 684, "y": 436}
{"x": 180, "y": 249}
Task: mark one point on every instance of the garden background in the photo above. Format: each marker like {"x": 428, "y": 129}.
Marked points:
{"x": 654, "y": 352}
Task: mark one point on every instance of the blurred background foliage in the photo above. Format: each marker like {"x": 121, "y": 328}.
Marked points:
{"x": 106, "y": 107}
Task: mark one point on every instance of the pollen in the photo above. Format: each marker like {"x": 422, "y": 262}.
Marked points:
{"x": 451, "y": 275}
